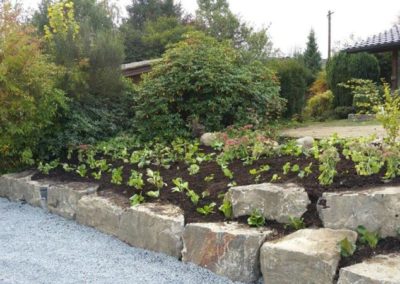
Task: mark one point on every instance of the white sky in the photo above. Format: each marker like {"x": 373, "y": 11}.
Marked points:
{"x": 291, "y": 20}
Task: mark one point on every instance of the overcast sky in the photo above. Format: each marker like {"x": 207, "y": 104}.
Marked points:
{"x": 290, "y": 21}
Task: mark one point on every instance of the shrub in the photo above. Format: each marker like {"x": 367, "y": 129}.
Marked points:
{"x": 366, "y": 95}
{"x": 344, "y": 67}
{"x": 319, "y": 106}
{"x": 343, "y": 112}
{"x": 293, "y": 76}
{"x": 200, "y": 79}
{"x": 29, "y": 100}
{"x": 319, "y": 85}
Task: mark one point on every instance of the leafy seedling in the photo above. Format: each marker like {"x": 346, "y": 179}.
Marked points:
{"x": 275, "y": 178}
{"x": 232, "y": 183}
{"x": 116, "y": 175}
{"x": 180, "y": 185}
{"x": 227, "y": 172}
{"x": 68, "y": 168}
{"x": 81, "y": 170}
{"x": 286, "y": 168}
{"x": 347, "y": 248}
{"x": 193, "y": 169}
{"x": 155, "y": 179}
{"x": 295, "y": 168}
{"x": 136, "y": 180}
{"x": 209, "y": 178}
{"x": 194, "y": 197}
{"x": 97, "y": 175}
{"x": 256, "y": 219}
{"x": 226, "y": 208}
{"x": 207, "y": 209}
{"x": 367, "y": 237}
{"x": 136, "y": 199}
{"x": 295, "y": 223}
{"x": 205, "y": 194}
{"x": 45, "y": 168}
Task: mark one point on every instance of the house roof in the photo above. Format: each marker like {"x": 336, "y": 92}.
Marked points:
{"x": 139, "y": 64}
{"x": 383, "y": 41}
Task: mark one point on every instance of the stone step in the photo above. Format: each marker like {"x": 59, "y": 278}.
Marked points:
{"x": 303, "y": 257}
{"x": 151, "y": 226}
{"x": 228, "y": 249}
{"x": 378, "y": 209}
{"x": 274, "y": 201}
{"x": 384, "y": 269}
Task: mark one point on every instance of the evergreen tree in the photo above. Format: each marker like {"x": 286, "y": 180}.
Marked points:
{"x": 312, "y": 56}
{"x": 145, "y": 16}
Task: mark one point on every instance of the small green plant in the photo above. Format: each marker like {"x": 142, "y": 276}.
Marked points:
{"x": 136, "y": 180}
{"x": 180, "y": 185}
{"x": 209, "y": 178}
{"x": 205, "y": 194}
{"x": 227, "y": 172}
{"x": 328, "y": 160}
{"x": 155, "y": 179}
{"x": 193, "y": 169}
{"x": 295, "y": 168}
{"x": 226, "y": 209}
{"x": 275, "y": 178}
{"x": 256, "y": 219}
{"x": 206, "y": 209}
{"x": 286, "y": 168}
{"x": 45, "y": 168}
{"x": 81, "y": 170}
{"x": 347, "y": 248}
{"x": 295, "y": 223}
{"x": 136, "y": 199}
{"x": 97, "y": 175}
{"x": 68, "y": 168}
{"x": 102, "y": 165}
{"x": 116, "y": 175}
{"x": 367, "y": 237}
{"x": 257, "y": 172}
{"x": 306, "y": 171}
{"x": 194, "y": 197}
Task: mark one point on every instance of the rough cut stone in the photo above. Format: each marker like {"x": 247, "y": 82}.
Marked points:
{"x": 20, "y": 187}
{"x": 231, "y": 250}
{"x": 308, "y": 256}
{"x": 208, "y": 138}
{"x": 377, "y": 209}
{"x": 306, "y": 142}
{"x": 274, "y": 201}
{"x": 152, "y": 226}
{"x": 100, "y": 213}
{"x": 62, "y": 199}
{"x": 384, "y": 269}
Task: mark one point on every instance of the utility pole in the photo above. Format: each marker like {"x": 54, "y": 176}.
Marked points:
{"x": 329, "y": 33}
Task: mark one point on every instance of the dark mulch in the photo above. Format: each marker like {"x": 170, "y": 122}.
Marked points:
{"x": 347, "y": 179}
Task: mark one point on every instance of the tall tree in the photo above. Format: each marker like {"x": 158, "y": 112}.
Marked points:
{"x": 146, "y": 17}
{"x": 312, "y": 56}
{"x": 215, "y": 18}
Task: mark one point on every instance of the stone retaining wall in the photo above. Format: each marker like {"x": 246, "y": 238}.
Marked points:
{"x": 229, "y": 249}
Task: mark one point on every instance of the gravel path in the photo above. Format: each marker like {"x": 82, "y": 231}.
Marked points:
{"x": 37, "y": 247}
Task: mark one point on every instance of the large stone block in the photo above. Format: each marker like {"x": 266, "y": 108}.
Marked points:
{"x": 378, "y": 209}
{"x": 274, "y": 201}
{"x": 62, "y": 198}
{"x": 308, "y": 256}
{"x": 228, "y": 249}
{"x": 153, "y": 226}
{"x": 383, "y": 269}
{"x": 20, "y": 187}
{"x": 100, "y": 213}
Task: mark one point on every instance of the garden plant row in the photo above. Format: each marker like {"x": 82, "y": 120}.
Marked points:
{"x": 242, "y": 204}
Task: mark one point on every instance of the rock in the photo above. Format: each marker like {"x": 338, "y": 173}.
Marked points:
{"x": 383, "y": 269}
{"x": 100, "y": 213}
{"x": 378, "y": 209}
{"x": 156, "y": 227}
{"x": 228, "y": 249}
{"x": 20, "y": 187}
{"x": 62, "y": 199}
{"x": 208, "y": 139}
{"x": 274, "y": 201}
{"x": 306, "y": 142}
{"x": 306, "y": 256}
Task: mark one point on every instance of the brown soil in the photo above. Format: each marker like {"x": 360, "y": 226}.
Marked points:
{"x": 347, "y": 179}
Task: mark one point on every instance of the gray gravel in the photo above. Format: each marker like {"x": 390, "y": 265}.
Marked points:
{"x": 38, "y": 247}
